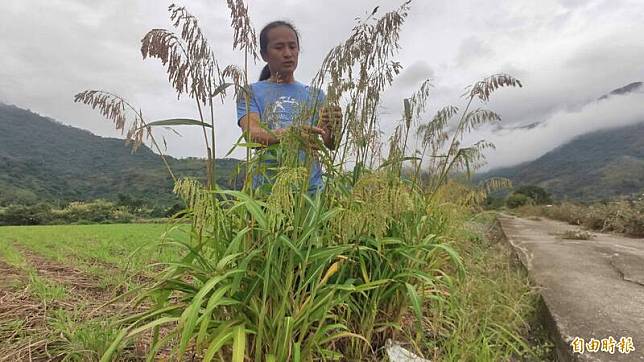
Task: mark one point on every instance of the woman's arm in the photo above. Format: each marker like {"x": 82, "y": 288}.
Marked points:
{"x": 250, "y": 125}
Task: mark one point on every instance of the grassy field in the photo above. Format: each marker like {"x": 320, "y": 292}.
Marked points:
{"x": 59, "y": 287}
{"x": 56, "y": 282}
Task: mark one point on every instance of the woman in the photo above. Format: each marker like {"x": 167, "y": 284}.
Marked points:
{"x": 277, "y": 102}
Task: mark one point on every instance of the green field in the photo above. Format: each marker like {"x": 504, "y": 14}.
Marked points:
{"x": 56, "y": 282}
{"x": 60, "y": 289}
{"x": 97, "y": 250}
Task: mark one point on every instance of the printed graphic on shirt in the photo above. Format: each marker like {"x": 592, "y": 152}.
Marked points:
{"x": 283, "y": 112}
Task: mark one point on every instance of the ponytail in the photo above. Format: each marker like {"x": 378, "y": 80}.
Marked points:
{"x": 265, "y": 74}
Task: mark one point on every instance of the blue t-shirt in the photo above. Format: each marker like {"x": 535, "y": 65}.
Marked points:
{"x": 279, "y": 105}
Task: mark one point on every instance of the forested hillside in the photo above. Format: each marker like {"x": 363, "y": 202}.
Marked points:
{"x": 595, "y": 166}
{"x": 44, "y": 160}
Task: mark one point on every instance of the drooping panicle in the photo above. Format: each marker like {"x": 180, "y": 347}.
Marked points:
{"x": 244, "y": 34}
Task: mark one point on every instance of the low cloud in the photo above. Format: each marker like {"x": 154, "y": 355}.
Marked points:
{"x": 412, "y": 75}
{"x": 514, "y": 146}
{"x": 471, "y": 50}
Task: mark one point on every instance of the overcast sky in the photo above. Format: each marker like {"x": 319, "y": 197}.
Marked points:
{"x": 566, "y": 52}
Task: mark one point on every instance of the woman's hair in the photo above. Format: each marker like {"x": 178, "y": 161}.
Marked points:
{"x": 263, "y": 43}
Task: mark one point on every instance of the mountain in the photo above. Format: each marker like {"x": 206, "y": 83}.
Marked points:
{"x": 44, "y": 160}
{"x": 595, "y": 166}
{"x": 629, "y": 88}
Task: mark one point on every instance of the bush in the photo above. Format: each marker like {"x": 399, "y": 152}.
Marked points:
{"x": 26, "y": 215}
{"x": 626, "y": 217}
{"x": 515, "y": 200}
{"x": 538, "y": 195}
{"x": 494, "y": 203}
{"x": 99, "y": 211}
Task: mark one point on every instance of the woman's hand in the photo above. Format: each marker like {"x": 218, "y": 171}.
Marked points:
{"x": 278, "y": 134}
{"x": 330, "y": 122}
{"x": 310, "y": 136}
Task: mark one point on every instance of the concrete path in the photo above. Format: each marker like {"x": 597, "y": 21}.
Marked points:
{"x": 592, "y": 289}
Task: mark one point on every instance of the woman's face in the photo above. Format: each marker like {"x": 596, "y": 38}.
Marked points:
{"x": 282, "y": 51}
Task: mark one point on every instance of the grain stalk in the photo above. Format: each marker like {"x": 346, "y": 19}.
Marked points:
{"x": 277, "y": 273}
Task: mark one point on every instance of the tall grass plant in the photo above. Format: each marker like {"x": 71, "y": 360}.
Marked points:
{"x": 278, "y": 273}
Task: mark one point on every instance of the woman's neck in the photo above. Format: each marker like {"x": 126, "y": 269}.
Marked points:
{"x": 282, "y": 79}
